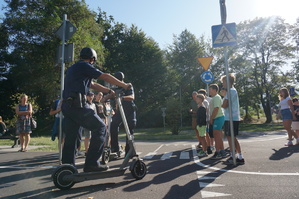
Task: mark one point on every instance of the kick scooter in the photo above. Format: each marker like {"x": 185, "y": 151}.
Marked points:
{"x": 66, "y": 175}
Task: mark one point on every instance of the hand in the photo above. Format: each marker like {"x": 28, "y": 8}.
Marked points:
{"x": 127, "y": 86}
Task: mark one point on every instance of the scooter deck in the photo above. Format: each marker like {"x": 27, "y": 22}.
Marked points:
{"x": 79, "y": 177}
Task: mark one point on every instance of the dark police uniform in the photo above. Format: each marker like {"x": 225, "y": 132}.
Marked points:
{"x": 77, "y": 113}
{"x": 130, "y": 112}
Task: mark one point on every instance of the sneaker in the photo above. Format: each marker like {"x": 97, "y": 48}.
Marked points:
{"x": 198, "y": 146}
{"x": 223, "y": 153}
{"x": 209, "y": 150}
{"x": 216, "y": 156}
{"x": 80, "y": 153}
{"x": 230, "y": 160}
{"x": 202, "y": 153}
{"x": 240, "y": 161}
{"x": 289, "y": 143}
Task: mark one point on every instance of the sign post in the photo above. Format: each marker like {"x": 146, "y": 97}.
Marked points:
{"x": 225, "y": 35}
{"x": 205, "y": 63}
{"x": 65, "y": 32}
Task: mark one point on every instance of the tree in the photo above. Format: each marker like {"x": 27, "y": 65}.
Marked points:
{"x": 139, "y": 57}
{"x": 264, "y": 45}
{"x": 184, "y": 69}
{"x": 30, "y": 49}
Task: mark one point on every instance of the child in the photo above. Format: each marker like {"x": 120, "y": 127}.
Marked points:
{"x": 201, "y": 124}
{"x": 209, "y": 134}
{"x": 235, "y": 106}
{"x": 217, "y": 121}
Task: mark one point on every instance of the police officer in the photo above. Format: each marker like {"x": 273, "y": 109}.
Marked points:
{"x": 130, "y": 112}
{"x": 76, "y": 112}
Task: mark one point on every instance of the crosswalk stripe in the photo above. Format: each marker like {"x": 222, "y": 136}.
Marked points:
{"x": 204, "y": 172}
{"x": 209, "y": 194}
{"x": 166, "y": 156}
{"x": 204, "y": 184}
{"x": 150, "y": 155}
{"x": 206, "y": 178}
{"x": 184, "y": 155}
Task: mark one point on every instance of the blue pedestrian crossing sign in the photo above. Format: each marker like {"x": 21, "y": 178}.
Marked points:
{"x": 224, "y": 35}
{"x": 207, "y": 77}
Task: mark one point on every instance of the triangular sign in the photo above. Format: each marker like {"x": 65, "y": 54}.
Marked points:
{"x": 224, "y": 36}
{"x": 205, "y": 62}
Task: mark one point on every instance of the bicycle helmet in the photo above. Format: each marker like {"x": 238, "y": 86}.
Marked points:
{"x": 88, "y": 53}
{"x": 119, "y": 75}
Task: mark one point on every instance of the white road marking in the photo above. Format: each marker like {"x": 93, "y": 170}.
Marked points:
{"x": 151, "y": 154}
{"x": 204, "y": 172}
{"x": 184, "y": 155}
{"x": 204, "y": 184}
{"x": 209, "y": 194}
{"x": 197, "y": 161}
{"x": 166, "y": 155}
{"x": 207, "y": 178}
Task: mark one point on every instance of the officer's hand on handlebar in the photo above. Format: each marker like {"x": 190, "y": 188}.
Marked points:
{"x": 128, "y": 86}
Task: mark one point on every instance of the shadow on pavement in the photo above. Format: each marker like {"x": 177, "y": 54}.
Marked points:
{"x": 284, "y": 152}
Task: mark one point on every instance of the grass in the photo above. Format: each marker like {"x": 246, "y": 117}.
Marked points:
{"x": 154, "y": 134}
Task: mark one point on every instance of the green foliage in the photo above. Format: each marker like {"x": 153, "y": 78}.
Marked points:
{"x": 30, "y": 27}
{"x": 173, "y": 111}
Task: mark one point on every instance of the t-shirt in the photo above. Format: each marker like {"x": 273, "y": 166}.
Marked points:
{"x": 216, "y": 102}
{"x": 201, "y": 119}
{"x": 207, "y": 105}
{"x": 129, "y": 106}
{"x": 284, "y": 103}
{"x": 235, "y": 105}
{"x": 78, "y": 78}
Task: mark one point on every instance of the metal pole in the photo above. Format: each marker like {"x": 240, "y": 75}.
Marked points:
{"x": 62, "y": 86}
{"x": 231, "y": 124}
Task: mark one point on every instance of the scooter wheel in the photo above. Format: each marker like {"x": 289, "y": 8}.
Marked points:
{"x": 60, "y": 173}
{"x": 105, "y": 157}
{"x": 138, "y": 169}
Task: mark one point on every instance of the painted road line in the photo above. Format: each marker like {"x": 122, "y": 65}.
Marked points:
{"x": 204, "y": 184}
{"x": 207, "y": 178}
{"x": 209, "y": 194}
{"x": 184, "y": 155}
{"x": 197, "y": 161}
{"x": 152, "y": 154}
{"x": 166, "y": 155}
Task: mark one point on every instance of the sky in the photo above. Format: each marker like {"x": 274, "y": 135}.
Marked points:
{"x": 162, "y": 19}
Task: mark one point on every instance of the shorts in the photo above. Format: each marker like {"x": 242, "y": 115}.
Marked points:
{"x": 210, "y": 131}
{"x": 201, "y": 131}
{"x": 286, "y": 114}
{"x": 218, "y": 123}
{"x": 227, "y": 131}
{"x": 295, "y": 125}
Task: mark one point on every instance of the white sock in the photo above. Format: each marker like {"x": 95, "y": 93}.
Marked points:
{"x": 240, "y": 156}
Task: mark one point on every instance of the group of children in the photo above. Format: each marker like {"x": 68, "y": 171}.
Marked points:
{"x": 212, "y": 116}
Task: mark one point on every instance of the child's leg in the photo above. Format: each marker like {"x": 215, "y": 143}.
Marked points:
{"x": 218, "y": 139}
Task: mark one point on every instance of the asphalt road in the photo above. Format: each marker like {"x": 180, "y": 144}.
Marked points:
{"x": 174, "y": 171}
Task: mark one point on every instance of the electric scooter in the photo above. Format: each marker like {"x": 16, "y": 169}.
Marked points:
{"x": 66, "y": 175}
